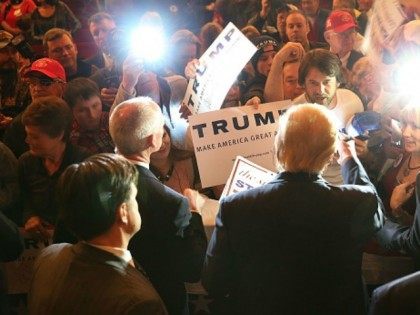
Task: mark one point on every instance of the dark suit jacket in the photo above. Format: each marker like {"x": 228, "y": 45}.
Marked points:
{"x": 11, "y": 246}
{"x": 394, "y": 236}
{"x": 316, "y": 33}
{"x": 81, "y": 279}
{"x": 294, "y": 245}
{"x": 354, "y": 56}
{"x": 400, "y": 296}
{"x": 171, "y": 243}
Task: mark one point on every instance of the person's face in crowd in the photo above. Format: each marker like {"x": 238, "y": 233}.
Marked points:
{"x": 64, "y": 51}
{"x": 281, "y": 23}
{"x": 186, "y": 53}
{"x": 341, "y": 43}
{"x": 297, "y": 28}
{"x": 8, "y": 58}
{"x": 133, "y": 214}
{"x": 165, "y": 148}
{"x": 365, "y": 5}
{"x": 100, "y": 32}
{"x": 319, "y": 87}
{"x": 266, "y": 60}
{"x": 88, "y": 113}
{"x": 411, "y": 134}
{"x": 41, "y": 144}
{"x": 368, "y": 82}
{"x": 310, "y": 7}
{"x": 291, "y": 88}
{"x": 40, "y": 85}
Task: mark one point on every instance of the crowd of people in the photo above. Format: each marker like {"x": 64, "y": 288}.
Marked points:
{"x": 95, "y": 153}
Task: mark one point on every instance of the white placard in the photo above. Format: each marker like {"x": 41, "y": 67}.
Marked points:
{"x": 246, "y": 175}
{"x": 219, "y": 67}
{"x": 220, "y": 136}
{"x": 19, "y": 272}
{"x": 387, "y": 16}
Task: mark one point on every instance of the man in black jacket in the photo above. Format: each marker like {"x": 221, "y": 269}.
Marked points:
{"x": 171, "y": 244}
{"x": 294, "y": 245}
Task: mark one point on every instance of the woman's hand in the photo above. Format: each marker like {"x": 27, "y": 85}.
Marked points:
{"x": 400, "y": 194}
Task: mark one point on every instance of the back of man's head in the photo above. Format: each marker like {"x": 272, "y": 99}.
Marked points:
{"x": 132, "y": 122}
{"x": 323, "y": 60}
{"x": 306, "y": 139}
{"x": 91, "y": 192}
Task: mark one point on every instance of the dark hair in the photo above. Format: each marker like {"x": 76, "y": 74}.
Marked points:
{"x": 98, "y": 17}
{"x": 323, "y": 60}
{"x": 91, "y": 192}
{"x": 49, "y": 2}
{"x": 80, "y": 89}
{"x": 51, "y": 114}
{"x": 54, "y": 34}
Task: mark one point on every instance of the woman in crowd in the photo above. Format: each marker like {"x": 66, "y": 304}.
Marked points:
{"x": 51, "y": 14}
{"x": 174, "y": 167}
{"x": 261, "y": 62}
{"x": 47, "y": 124}
{"x": 397, "y": 186}
{"x": 12, "y": 12}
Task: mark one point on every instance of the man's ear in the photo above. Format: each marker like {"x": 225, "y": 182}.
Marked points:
{"x": 327, "y": 36}
{"x": 122, "y": 213}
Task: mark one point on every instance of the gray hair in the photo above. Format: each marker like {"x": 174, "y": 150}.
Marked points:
{"x": 132, "y": 122}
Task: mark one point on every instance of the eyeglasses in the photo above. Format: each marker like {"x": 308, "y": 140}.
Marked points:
{"x": 346, "y": 35}
{"x": 41, "y": 82}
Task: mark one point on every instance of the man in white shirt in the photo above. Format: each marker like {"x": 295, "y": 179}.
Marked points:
{"x": 320, "y": 75}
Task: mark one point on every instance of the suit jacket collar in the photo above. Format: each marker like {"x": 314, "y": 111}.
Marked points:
{"x": 98, "y": 255}
{"x": 298, "y": 177}
{"x": 144, "y": 171}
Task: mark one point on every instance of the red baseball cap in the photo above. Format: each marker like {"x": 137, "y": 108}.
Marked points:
{"x": 340, "y": 21}
{"x": 49, "y": 67}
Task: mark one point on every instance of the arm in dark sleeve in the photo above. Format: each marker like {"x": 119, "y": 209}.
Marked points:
{"x": 398, "y": 237}
{"x": 11, "y": 242}
{"x": 218, "y": 263}
{"x": 190, "y": 244}
{"x": 9, "y": 185}
{"x": 354, "y": 174}
{"x": 257, "y": 21}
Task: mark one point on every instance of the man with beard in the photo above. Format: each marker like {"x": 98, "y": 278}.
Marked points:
{"x": 320, "y": 74}
{"x": 59, "y": 45}
{"x": 14, "y": 93}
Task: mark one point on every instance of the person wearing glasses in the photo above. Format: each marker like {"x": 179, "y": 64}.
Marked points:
{"x": 45, "y": 77}
{"x": 340, "y": 34}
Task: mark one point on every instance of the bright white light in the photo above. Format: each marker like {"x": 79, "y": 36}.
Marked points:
{"x": 406, "y": 75}
{"x": 148, "y": 42}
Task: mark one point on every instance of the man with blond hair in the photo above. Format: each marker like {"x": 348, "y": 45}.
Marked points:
{"x": 295, "y": 244}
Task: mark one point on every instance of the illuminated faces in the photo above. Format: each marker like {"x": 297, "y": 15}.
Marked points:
{"x": 297, "y": 28}
{"x": 411, "y": 134}
{"x": 319, "y": 87}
